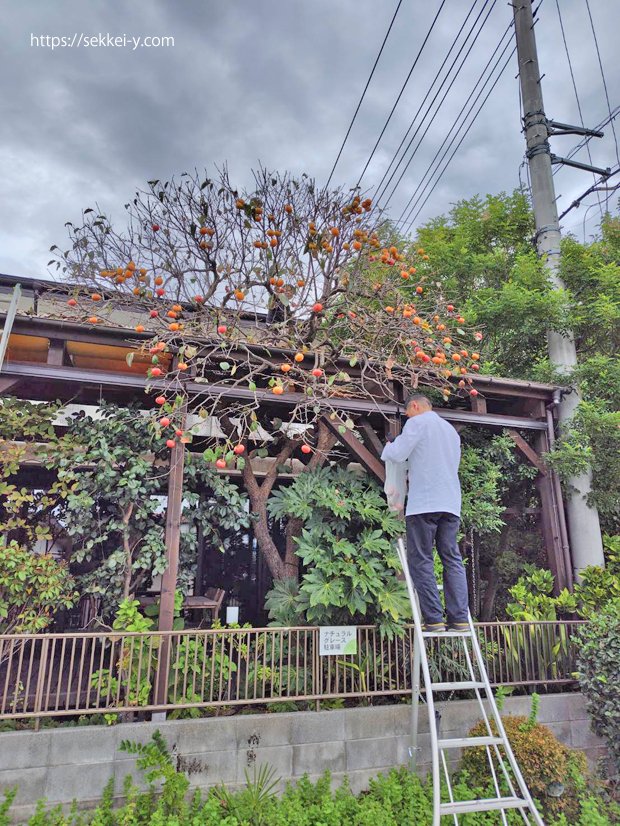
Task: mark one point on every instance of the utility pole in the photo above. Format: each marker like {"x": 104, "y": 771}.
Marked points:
{"x": 583, "y": 522}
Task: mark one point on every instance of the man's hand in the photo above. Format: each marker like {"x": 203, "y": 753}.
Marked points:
{"x": 390, "y": 438}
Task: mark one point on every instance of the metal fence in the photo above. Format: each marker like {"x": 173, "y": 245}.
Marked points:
{"x": 129, "y": 674}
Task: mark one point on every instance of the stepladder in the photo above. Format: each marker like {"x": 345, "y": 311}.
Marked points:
{"x": 509, "y": 797}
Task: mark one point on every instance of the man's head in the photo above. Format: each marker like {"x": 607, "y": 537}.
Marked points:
{"x": 417, "y": 403}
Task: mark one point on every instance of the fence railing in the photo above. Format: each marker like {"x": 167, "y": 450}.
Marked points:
{"x": 68, "y": 675}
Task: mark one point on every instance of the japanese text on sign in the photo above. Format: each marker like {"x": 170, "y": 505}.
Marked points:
{"x": 337, "y": 639}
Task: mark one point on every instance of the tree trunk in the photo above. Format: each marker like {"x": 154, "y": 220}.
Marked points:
{"x": 128, "y": 551}
{"x": 325, "y": 442}
{"x": 258, "y": 494}
{"x": 291, "y": 560}
{"x": 490, "y": 592}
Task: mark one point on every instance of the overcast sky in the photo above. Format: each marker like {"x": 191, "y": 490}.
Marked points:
{"x": 273, "y": 81}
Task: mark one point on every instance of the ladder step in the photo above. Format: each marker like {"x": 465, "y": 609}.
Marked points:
{"x": 460, "y": 686}
{"x": 487, "y": 804}
{"x": 469, "y": 742}
{"x": 443, "y": 634}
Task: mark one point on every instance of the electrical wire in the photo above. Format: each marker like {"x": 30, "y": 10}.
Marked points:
{"x": 400, "y": 94}
{"x": 459, "y": 121}
{"x": 600, "y": 63}
{"x": 357, "y": 108}
{"x": 473, "y": 120}
{"x": 439, "y": 105}
{"x": 572, "y": 75}
{"x": 613, "y": 115}
{"x": 425, "y": 98}
{"x": 596, "y": 187}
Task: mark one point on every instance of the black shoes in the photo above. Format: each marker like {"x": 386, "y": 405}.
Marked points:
{"x": 441, "y": 628}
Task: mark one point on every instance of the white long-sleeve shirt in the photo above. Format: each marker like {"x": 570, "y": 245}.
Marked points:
{"x": 432, "y": 448}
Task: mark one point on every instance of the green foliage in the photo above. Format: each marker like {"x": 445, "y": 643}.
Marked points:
{"x": 196, "y": 661}
{"x": 534, "y": 600}
{"x": 530, "y": 723}
{"x": 599, "y": 586}
{"x": 598, "y": 663}
{"x": 107, "y": 496}
{"x": 542, "y": 759}
{"x": 27, "y": 514}
{"x": 592, "y": 439}
{"x": 482, "y": 255}
{"x": 397, "y": 798}
{"x": 533, "y": 593}
{"x": 483, "y": 481}
{"x": 33, "y": 587}
{"x": 350, "y": 565}
{"x": 251, "y": 804}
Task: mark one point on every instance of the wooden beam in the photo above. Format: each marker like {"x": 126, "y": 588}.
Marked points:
{"x": 371, "y": 440}
{"x": 551, "y": 524}
{"x": 126, "y": 382}
{"x": 361, "y": 453}
{"x": 56, "y": 352}
{"x": 528, "y": 451}
{"x": 478, "y": 404}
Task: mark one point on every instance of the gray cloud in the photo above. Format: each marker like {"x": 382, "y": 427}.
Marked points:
{"x": 274, "y": 82}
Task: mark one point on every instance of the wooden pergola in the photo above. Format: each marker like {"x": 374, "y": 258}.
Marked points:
{"x": 48, "y": 358}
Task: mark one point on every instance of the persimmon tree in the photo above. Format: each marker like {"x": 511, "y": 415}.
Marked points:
{"x": 266, "y": 309}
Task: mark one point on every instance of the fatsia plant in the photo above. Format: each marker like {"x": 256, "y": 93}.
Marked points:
{"x": 350, "y": 567}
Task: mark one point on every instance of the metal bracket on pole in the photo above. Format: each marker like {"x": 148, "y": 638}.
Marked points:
{"x": 8, "y": 322}
{"x": 556, "y": 128}
{"x": 604, "y": 173}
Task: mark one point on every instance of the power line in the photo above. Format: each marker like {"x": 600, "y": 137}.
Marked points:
{"x": 600, "y": 63}
{"x": 387, "y": 34}
{"x": 458, "y": 146}
{"x": 400, "y": 94}
{"x": 612, "y": 116}
{"x": 440, "y": 104}
{"x": 445, "y": 60}
{"x": 459, "y": 120}
{"x": 596, "y": 187}
{"x": 572, "y": 75}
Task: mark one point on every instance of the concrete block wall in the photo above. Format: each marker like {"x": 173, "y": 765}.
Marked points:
{"x": 76, "y": 763}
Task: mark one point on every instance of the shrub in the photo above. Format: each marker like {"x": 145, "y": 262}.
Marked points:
{"x": 598, "y": 662}
{"x": 398, "y": 798}
{"x": 350, "y": 566}
{"x": 543, "y": 760}
{"x": 33, "y": 587}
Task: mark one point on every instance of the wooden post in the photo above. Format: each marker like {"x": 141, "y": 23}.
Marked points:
{"x": 169, "y": 578}
{"x": 551, "y": 509}
{"x": 478, "y": 404}
{"x": 551, "y": 519}
{"x": 393, "y": 427}
{"x": 56, "y": 352}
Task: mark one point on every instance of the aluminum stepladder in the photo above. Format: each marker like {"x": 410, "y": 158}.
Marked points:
{"x": 501, "y": 765}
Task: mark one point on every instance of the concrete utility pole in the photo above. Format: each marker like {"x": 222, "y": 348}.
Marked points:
{"x": 584, "y": 527}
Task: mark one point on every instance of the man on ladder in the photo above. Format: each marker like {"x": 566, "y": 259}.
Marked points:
{"x": 432, "y": 448}
{"x": 429, "y": 449}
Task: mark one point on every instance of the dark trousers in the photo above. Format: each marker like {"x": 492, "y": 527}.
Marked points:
{"x": 424, "y": 530}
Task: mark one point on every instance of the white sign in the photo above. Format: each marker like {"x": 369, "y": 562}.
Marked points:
{"x": 337, "y": 639}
